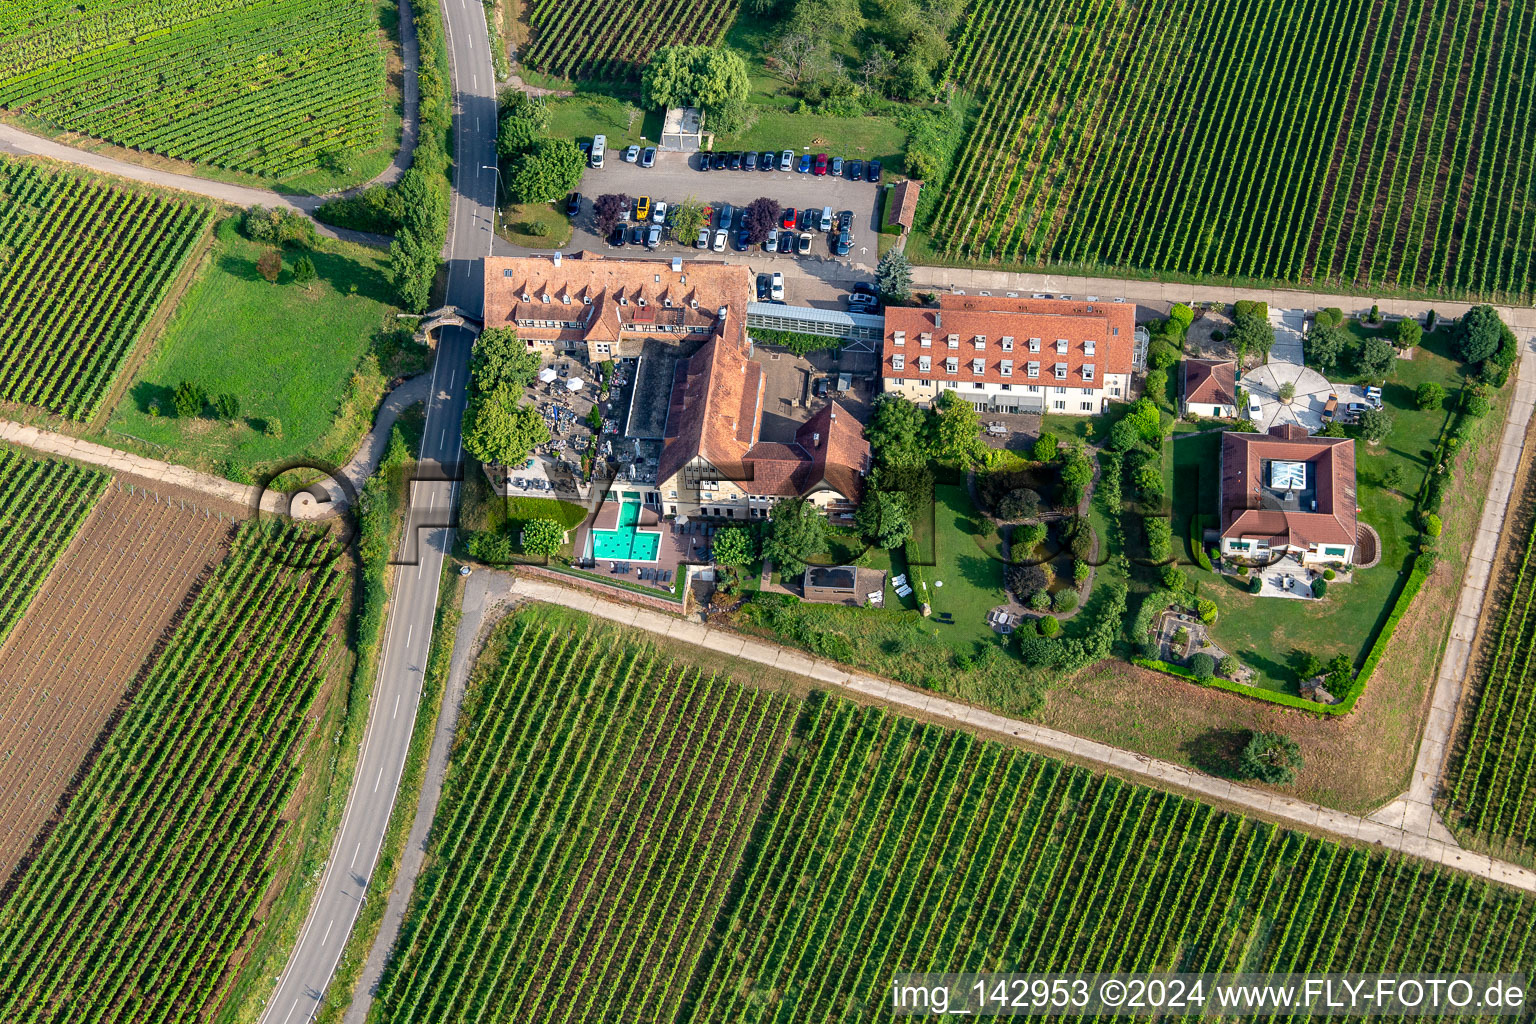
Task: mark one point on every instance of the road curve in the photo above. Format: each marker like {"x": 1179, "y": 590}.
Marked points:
{"x": 408, "y": 634}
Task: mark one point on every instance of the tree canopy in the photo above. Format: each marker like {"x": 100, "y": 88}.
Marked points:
{"x": 1251, "y": 332}
{"x": 761, "y": 217}
{"x": 1480, "y": 333}
{"x": 542, "y": 537}
{"x": 898, "y": 432}
{"x": 882, "y": 519}
{"x": 1375, "y": 356}
{"x": 707, "y": 77}
{"x": 548, "y": 171}
{"x": 796, "y": 534}
{"x": 524, "y": 120}
{"x": 687, "y": 219}
{"x": 957, "y": 431}
{"x": 608, "y": 210}
{"x": 734, "y": 548}
{"x": 1271, "y": 757}
{"x": 500, "y": 359}
{"x": 893, "y": 275}
{"x": 1325, "y": 345}
{"x": 500, "y": 430}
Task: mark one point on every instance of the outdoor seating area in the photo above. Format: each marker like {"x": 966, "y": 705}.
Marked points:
{"x": 1003, "y": 620}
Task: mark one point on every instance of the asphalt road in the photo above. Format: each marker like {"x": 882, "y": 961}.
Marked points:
{"x": 408, "y": 634}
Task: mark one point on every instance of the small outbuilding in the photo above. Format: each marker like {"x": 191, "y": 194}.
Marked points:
{"x": 901, "y": 205}
{"x": 1210, "y": 388}
{"x": 683, "y": 130}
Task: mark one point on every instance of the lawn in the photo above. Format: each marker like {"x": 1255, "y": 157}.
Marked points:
{"x": 307, "y": 362}
{"x": 966, "y": 581}
{"x": 587, "y": 114}
{"x": 1270, "y": 634}
{"x": 534, "y": 225}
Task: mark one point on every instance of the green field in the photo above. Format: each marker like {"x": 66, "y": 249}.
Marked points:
{"x": 313, "y": 357}
{"x": 83, "y": 267}
{"x": 880, "y": 844}
{"x": 1270, "y": 634}
{"x": 150, "y": 883}
{"x": 612, "y": 39}
{"x": 267, "y": 87}
{"x": 1383, "y": 146}
{"x": 42, "y": 503}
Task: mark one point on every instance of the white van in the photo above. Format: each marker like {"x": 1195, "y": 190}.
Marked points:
{"x": 826, "y": 218}
{"x": 599, "y": 144}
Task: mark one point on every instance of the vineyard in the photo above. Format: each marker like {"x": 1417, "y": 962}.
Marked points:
{"x": 595, "y": 806}
{"x": 614, "y": 38}
{"x": 136, "y": 902}
{"x": 1374, "y": 145}
{"x": 599, "y": 797}
{"x": 269, "y": 87}
{"x": 83, "y": 267}
{"x": 42, "y": 504}
{"x": 1489, "y": 789}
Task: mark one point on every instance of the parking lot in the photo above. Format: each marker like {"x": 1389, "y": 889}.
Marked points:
{"x": 676, "y": 177}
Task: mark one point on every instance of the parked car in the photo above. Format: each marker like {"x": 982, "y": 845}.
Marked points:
{"x": 1356, "y": 408}
{"x": 727, "y": 215}
{"x": 1373, "y": 395}
{"x": 788, "y": 218}
{"x": 826, "y": 222}
{"x": 822, "y": 384}
{"x": 771, "y": 243}
{"x": 659, "y": 212}
{"x": 844, "y": 244}
{"x": 855, "y": 170}
{"x": 573, "y": 204}
{"x": 1255, "y": 410}
{"x": 845, "y": 220}
{"x": 704, "y": 159}
{"x": 787, "y": 160}
{"x": 1331, "y": 409}
{"x": 643, "y": 208}
{"x": 786, "y": 242}
{"x": 720, "y": 236}
{"x": 702, "y": 242}
{"x": 766, "y": 161}
{"x": 599, "y": 148}
{"x": 632, "y": 154}
{"x": 804, "y": 166}
{"x": 653, "y": 236}
{"x": 763, "y": 288}
{"x": 733, "y": 161}
{"x": 585, "y": 148}
{"x": 836, "y": 167}
{"x": 637, "y": 234}
{"x": 872, "y": 172}
{"x": 809, "y": 219}
{"x": 743, "y": 240}
{"x": 863, "y": 296}
{"x": 719, "y": 161}
{"x": 802, "y": 244}
{"x": 776, "y": 288}
{"x": 616, "y": 237}
{"x": 749, "y": 162}
{"x": 820, "y": 168}
{"x": 648, "y": 156}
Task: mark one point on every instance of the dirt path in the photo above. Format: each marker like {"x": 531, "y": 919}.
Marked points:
{"x": 70, "y": 660}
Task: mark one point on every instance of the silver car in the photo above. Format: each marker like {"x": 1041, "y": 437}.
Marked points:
{"x": 720, "y": 236}
{"x": 787, "y": 160}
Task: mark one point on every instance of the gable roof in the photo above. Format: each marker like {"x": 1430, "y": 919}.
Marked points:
{"x": 715, "y": 410}
{"x": 1242, "y": 506}
{"x": 902, "y": 207}
{"x": 1210, "y": 381}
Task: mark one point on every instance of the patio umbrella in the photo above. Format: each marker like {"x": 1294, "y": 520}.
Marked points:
{"x": 547, "y": 374}
{"x": 573, "y": 383}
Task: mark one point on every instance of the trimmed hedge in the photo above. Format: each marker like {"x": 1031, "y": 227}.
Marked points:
{"x": 1196, "y": 543}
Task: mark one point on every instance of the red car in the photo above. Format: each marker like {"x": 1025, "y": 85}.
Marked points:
{"x": 821, "y": 164}
{"x": 788, "y": 220}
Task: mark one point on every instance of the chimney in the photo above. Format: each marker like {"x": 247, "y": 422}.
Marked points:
{"x": 557, "y": 257}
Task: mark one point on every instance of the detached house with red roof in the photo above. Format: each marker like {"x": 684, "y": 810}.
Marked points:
{"x": 1011, "y": 355}
{"x": 714, "y": 463}
{"x": 1285, "y": 492}
{"x": 1210, "y": 388}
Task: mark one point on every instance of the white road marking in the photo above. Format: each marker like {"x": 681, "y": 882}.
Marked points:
{"x": 290, "y": 1012}
{"x": 397, "y": 706}
{"x": 376, "y": 782}
{"x": 442, "y": 437}
{"x": 327, "y": 931}
{"x": 355, "y": 851}
{"x": 408, "y": 631}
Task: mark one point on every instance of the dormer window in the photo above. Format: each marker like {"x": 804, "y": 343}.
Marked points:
{"x": 953, "y": 341}
{"x": 981, "y": 342}
{"x": 667, "y": 303}
{"x": 642, "y": 302}
{"x": 527, "y": 297}
{"x": 565, "y": 300}
{"x": 899, "y": 338}
{"x": 1061, "y": 371}
{"x": 924, "y": 363}
{"x": 623, "y": 300}
{"x": 1088, "y": 347}
{"x": 952, "y": 365}
{"x": 925, "y": 339}
{"x": 1005, "y": 367}
{"x": 1034, "y": 344}
{"x": 1061, "y": 346}
{"x": 898, "y": 361}
{"x": 1033, "y": 370}
{"x": 978, "y": 366}
{"x": 1007, "y": 343}
{"x": 1087, "y": 371}
{"x": 586, "y": 300}
{"x": 544, "y": 297}
{"x": 507, "y": 273}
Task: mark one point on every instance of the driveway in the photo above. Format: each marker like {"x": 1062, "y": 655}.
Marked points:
{"x": 1289, "y": 325}
{"x": 675, "y": 178}
{"x": 1306, "y": 405}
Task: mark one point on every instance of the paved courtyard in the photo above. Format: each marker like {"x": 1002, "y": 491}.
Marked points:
{"x": 1306, "y": 405}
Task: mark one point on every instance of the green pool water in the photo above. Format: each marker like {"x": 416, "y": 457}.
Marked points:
{"x": 626, "y": 544}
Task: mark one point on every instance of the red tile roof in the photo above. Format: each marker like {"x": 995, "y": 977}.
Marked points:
{"x": 1245, "y": 510}
{"x": 1108, "y": 328}
{"x": 902, "y": 206}
{"x": 1210, "y": 381}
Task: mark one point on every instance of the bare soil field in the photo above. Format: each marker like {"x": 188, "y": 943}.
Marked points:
{"x": 66, "y": 667}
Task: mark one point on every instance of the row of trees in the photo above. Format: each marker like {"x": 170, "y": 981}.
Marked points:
{"x": 534, "y": 167}
{"x": 500, "y": 429}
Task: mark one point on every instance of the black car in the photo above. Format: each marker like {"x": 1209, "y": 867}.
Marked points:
{"x": 749, "y": 162}
{"x": 573, "y": 204}
{"x": 855, "y": 170}
{"x": 766, "y": 161}
{"x": 616, "y": 237}
{"x": 762, "y": 288}
{"x": 872, "y": 172}
{"x": 810, "y": 220}
{"x": 742, "y": 240}
{"x": 637, "y": 234}
{"x": 786, "y": 241}
{"x": 733, "y": 161}
{"x": 719, "y": 161}
{"x": 704, "y": 161}
{"x": 845, "y": 220}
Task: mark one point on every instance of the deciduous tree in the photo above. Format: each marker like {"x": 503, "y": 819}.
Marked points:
{"x": 542, "y": 537}
{"x": 548, "y": 171}
{"x": 500, "y": 430}
{"x": 797, "y": 533}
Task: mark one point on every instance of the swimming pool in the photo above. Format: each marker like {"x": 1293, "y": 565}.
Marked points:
{"x": 626, "y": 544}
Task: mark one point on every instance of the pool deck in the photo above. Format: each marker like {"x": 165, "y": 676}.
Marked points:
{"x": 678, "y": 545}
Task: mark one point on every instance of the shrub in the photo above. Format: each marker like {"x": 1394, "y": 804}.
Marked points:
{"x": 226, "y": 405}
{"x": 1477, "y": 406}
{"x": 1206, "y": 609}
{"x": 1255, "y": 585}
{"x": 1242, "y": 570}
{"x": 1429, "y": 395}
{"x": 1202, "y": 665}
{"x": 273, "y": 428}
{"x": 1064, "y": 601}
{"x": 1181, "y": 636}
{"x": 1040, "y": 600}
{"x": 189, "y": 399}
{"x": 1329, "y": 574}
{"x": 1045, "y": 447}
{"x": 1432, "y": 524}
{"x": 1080, "y": 572}
{"x": 1049, "y": 626}
{"x": 269, "y": 265}
{"x": 1026, "y": 536}
{"x": 985, "y": 527}
{"x": 1408, "y": 332}
{"x": 303, "y": 270}
{"x": 1319, "y": 588}
{"x": 1228, "y": 666}
{"x": 1157, "y": 382}
{"x": 1034, "y": 649}
{"x": 1270, "y": 757}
